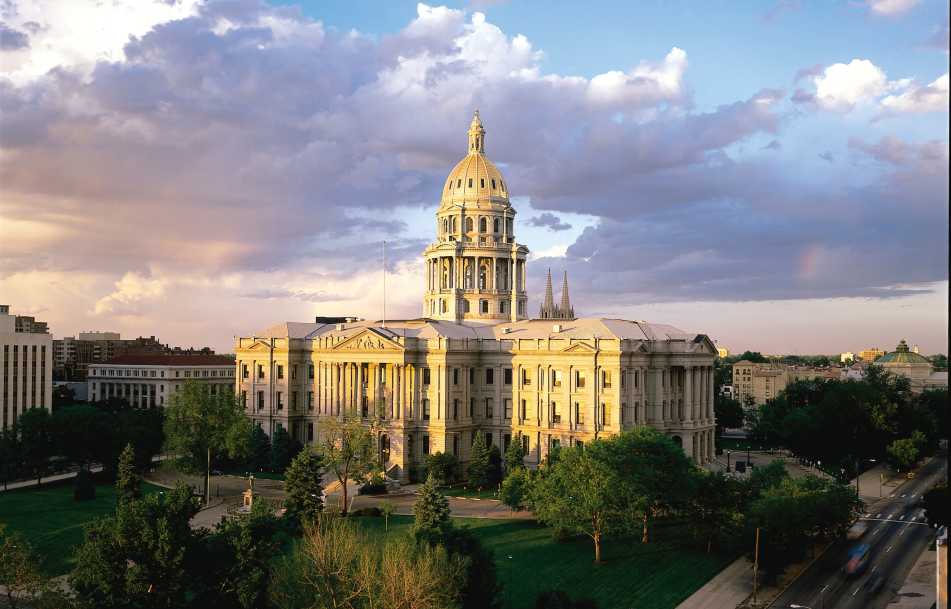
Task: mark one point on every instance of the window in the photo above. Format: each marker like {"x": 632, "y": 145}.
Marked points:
{"x": 310, "y": 432}
{"x": 280, "y": 371}
{"x": 459, "y": 183}
{"x": 605, "y": 415}
{"x": 425, "y": 410}
{"x": 310, "y": 371}
{"x": 470, "y": 182}
{"x": 455, "y": 445}
{"x": 555, "y": 378}
{"x": 507, "y": 376}
{"x": 606, "y": 379}
{"x": 493, "y": 184}
{"x": 489, "y": 376}
{"x": 455, "y": 376}
{"x": 426, "y": 438}
{"x": 483, "y": 306}
{"x": 481, "y": 182}
{"x": 507, "y": 408}
{"x": 488, "y": 440}
{"x": 495, "y": 226}
{"x": 482, "y": 225}
{"x": 555, "y": 413}
{"x": 244, "y": 399}
{"x": 280, "y": 400}
{"x": 471, "y": 407}
{"x": 310, "y": 400}
{"x": 294, "y": 401}
{"x": 472, "y": 376}
{"x": 523, "y": 408}
{"x": 579, "y": 414}
{"x": 426, "y": 376}
{"x": 294, "y": 372}
{"x": 622, "y": 378}
{"x": 455, "y": 409}
{"x": 188, "y": 373}
{"x": 468, "y": 225}
{"x": 260, "y": 400}
{"x": 636, "y": 378}
{"x": 260, "y": 371}
{"x": 488, "y": 408}
{"x": 526, "y": 380}
{"x": 579, "y": 379}
{"x": 525, "y": 444}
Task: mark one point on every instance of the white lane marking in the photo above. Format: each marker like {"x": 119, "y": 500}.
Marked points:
{"x": 856, "y": 590}
{"x": 824, "y": 588}
{"x": 902, "y": 531}
{"x": 873, "y": 569}
{"x": 902, "y": 517}
{"x": 891, "y": 496}
{"x": 903, "y": 495}
{"x": 889, "y": 549}
{"x": 879, "y": 515}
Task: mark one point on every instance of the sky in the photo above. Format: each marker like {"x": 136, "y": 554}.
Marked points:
{"x": 774, "y": 174}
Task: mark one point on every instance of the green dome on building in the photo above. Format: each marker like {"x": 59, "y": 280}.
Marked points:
{"x": 902, "y": 355}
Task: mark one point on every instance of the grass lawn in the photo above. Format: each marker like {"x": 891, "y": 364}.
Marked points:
{"x": 657, "y": 576}
{"x": 52, "y": 522}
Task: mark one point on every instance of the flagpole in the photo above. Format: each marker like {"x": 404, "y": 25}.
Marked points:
{"x": 384, "y": 283}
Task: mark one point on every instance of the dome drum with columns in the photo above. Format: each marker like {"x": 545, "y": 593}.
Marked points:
{"x": 475, "y": 271}
{"x": 474, "y": 363}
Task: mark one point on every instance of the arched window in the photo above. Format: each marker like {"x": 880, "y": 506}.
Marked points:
{"x": 453, "y": 227}
{"x": 483, "y": 225}
{"x": 495, "y": 225}
{"x": 468, "y": 225}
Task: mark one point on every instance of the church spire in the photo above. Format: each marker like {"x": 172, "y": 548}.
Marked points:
{"x": 566, "y": 310}
{"x": 548, "y": 306}
{"x": 476, "y": 135}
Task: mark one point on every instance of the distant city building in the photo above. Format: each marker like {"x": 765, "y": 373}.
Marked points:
{"x": 723, "y": 352}
{"x": 846, "y": 357}
{"x": 549, "y": 310}
{"x": 915, "y": 367}
{"x": 870, "y": 355}
{"x": 73, "y": 355}
{"x": 761, "y": 382}
{"x": 147, "y": 381}
{"x": 26, "y": 376}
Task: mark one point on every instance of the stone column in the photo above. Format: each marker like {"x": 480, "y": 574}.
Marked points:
{"x": 688, "y": 392}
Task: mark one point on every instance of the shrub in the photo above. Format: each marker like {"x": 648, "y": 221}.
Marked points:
{"x": 83, "y": 488}
{"x": 376, "y": 485}
{"x": 442, "y": 466}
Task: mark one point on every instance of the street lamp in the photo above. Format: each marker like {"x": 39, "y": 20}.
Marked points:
{"x": 728, "y": 452}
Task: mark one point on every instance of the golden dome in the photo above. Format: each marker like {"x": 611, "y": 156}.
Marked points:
{"x": 475, "y": 177}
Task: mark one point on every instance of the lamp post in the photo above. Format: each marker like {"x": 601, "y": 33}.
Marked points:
{"x": 728, "y": 453}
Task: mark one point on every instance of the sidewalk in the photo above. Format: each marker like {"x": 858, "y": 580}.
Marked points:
{"x": 12, "y": 486}
{"x": 918, "y": 591}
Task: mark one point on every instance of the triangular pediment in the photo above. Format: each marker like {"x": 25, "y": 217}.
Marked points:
{"x": 368, "y": 340}
{"x": 704, "y": 344}
{"x": 259, "y": 345}
{"x": 579, "y": 348}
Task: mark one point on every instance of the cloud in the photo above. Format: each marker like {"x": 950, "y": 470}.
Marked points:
{"x": 890, "y": 8}
{"x": 773, "y": 145}
{"x": 780, "y": 8}
{"x": 939, "y": 39}
{"x": 549, "y": 220}
{"x": 930, "y": 98}
{"x": 928, "y": 155}
{"x": 843, "y": 87}
{"x": 11, "y": 39}
{"x": 130, "y": 292}
{"x": 827, "y": 156}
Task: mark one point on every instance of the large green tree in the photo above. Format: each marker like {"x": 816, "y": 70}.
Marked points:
{"x": 349, "y": 452}
{"x": 431, "y": 510}
{"x": 283, "y": 449}
{"x": 259, "y": 452}
{"x": 442, "y": 466}
{"x": 201, "y": 426}
{"x": 651, "y": 472}
{"x": 479, "y": 469}
{"x": 34, "y": 430}
{"x": 583, "y": 492}
{"x": 714, "y": 508}
{"x": 128, "y": 478}
{"x": 514, "y": 455}
{"x": 304, "y": 486}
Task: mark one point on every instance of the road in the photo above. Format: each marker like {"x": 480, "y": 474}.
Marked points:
{"x": 897, "y": 534}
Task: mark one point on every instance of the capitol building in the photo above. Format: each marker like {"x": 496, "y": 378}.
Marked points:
{"x": 474, "y": 362}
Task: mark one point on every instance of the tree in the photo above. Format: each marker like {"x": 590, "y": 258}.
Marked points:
{"x": 11, "y": 455}
{"x": 753, "y": 356}
{"x": 200, "y": 425}
{"x": 386, "y": 510}
{"x": 936, "y": 503}
{"x": 442, "y": 466}
{"x": 729, "y": 413}
{"x": 81, "y": 433}
{"x": 259, "y": 453}
{"x": 495, "y": 466}
{"x": 904, "y": 453}
{"x": 128, "y": 479}
{"x": 303, "y": 483}
{"x": 431, "y": 510}
{"x": 83, "y": 487}
{"x": 516, "y": 489}
{"x": 138, "y": 558}
{"x": 479, "y": 463}
{"x": 714, "y": 510}
{"x": 283, "y": 449}
{"x": 582, "y": 492}
{"x": 336, "y": 566}
{"x": 239, "y": 555}
{"x": 348, "y": 452}
{"x": 20, "y": 575}
{"x": 514, "y": 455}
{"x": 651, "y": 470}
{"x": 33, "y": 430}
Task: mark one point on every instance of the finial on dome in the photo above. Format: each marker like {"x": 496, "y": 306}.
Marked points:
{"x": 476, "y": 135}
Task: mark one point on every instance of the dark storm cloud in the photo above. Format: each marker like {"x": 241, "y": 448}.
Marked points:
{"x": 550, "y": 221}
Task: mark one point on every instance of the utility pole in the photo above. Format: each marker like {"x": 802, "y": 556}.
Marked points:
{"x": 755, "y": 565}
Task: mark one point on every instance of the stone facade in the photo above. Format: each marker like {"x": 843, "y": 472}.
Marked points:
{"x": 147, "y": 381}
{"x": 26, "y": 366}
{"x": 474, "y": 364}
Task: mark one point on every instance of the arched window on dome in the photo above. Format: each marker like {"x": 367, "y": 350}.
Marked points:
{"x": 493, "y": 183}
{"x": 481, "y": 182}
{"x": 495, "y": 226}
{"x": 459, "y": 183}
{"x": 468, "y": 225}
{"x": 453, "y": 226}
{"x": 470, "y": 182}
{"x": 483, "y": 226}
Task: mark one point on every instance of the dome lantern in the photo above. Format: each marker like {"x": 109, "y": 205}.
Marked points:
{"x": 476, "y": 135}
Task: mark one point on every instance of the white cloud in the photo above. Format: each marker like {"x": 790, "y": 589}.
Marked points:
{"x": 130, "y": 292}
{"x": 843, "y": 85}
{"x": 930, "y": 98}
{"x": 648, "y": 82}
{"x": 891, "y": 8}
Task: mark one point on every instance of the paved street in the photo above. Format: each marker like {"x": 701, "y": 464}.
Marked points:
{"x": 897, "y": 534}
